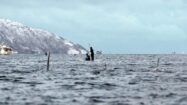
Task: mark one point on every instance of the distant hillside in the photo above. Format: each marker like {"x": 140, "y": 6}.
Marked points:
{"x": 23, "y": 39}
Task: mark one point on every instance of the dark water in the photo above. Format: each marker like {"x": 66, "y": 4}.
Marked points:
{"x": 110, "y": 80}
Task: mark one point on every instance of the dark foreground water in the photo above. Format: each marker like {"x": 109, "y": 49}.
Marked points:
{"x": 110, "y": 80}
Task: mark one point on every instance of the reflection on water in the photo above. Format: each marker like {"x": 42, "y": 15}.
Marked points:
{"x": 109, "y": 80}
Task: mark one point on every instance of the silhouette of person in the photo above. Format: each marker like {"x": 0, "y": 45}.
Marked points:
{"x": 87, "y": 57}
{"x": 92, "y": 53}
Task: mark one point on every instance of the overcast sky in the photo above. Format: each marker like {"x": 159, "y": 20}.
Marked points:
{"x": 113, "y": 26}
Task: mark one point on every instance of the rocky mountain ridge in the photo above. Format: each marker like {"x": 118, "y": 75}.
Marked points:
{"x": 24, "y": 39}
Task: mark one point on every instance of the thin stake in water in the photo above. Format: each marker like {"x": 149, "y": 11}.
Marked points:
{"x": 48, "y": 61}
{"x": 158, "y": 62}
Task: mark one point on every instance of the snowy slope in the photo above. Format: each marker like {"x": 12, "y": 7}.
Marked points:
{"x": 23, "y": 39}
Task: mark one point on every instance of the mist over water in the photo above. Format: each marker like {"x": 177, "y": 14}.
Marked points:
{"x": 109, "y": 80}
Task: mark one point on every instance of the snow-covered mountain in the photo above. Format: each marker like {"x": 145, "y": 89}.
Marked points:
{"x": 23, "y": 39}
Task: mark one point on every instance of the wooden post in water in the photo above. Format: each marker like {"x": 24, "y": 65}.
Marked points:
{"x": 158, "y": 61}
{"x": 48, "y": 59}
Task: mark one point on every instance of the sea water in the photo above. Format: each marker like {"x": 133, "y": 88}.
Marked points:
{"x": 109, "y": 80}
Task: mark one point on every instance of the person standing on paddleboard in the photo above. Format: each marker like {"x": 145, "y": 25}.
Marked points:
{"x": 92, "y": 53}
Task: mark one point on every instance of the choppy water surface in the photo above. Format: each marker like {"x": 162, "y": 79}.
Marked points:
{"x": 109, "y": 80}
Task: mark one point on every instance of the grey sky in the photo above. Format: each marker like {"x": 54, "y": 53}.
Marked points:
{"x": 114, "y": 26}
